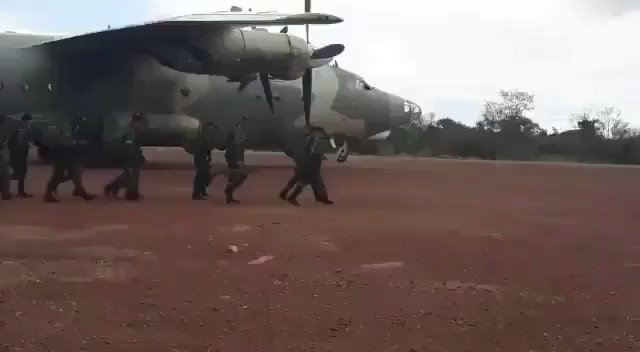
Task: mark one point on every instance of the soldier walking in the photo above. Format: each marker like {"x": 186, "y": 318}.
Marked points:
{"x": 308, "y": 171}
{"x": 235, "y": 147}
{"x": 68, "y": 155}
{"x": 202, "y": 161}
{"x": 19, "y": 152}
{"x": 133, "y": 161}
{"x": 5, "y": 176}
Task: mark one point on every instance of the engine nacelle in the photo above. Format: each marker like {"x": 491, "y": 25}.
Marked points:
{"x": 236, "y": 53}
{"x": 247, "y": 51}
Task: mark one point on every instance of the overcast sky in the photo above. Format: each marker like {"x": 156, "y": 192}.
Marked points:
{"x": 446, "y": 55}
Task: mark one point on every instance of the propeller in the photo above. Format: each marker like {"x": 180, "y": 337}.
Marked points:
{"x": 285, "y": 30}
{"x": 307, "y": 84}
{"x": 266, "y": 85}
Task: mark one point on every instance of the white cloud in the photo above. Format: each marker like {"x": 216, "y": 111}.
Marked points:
{"x": 8, "y": 21}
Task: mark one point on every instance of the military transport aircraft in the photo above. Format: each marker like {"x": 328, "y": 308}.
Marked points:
{"x": 186, "y": 70}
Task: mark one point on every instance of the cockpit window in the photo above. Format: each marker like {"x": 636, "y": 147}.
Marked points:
{"x": 360, "y": 84}
{"x": 410, "y": 107}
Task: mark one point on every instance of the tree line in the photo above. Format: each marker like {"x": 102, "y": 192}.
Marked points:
{"x": 504, "y": 132}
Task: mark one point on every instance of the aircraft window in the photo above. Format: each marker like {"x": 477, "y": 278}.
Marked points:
{"x": 363, "y": 85}
{"x": 407, "y": 106}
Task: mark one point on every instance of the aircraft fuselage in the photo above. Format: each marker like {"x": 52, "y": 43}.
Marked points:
{"x": 111, "y": 85}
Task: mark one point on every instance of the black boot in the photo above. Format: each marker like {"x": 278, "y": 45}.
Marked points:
{"x": 7, "y": 196}
{"x": 82, "y": 193}
{"x": 293, "y": 197}
{"x": 132, "y": 196}
{"x": 21, "y": 192}
{"x": 228, "y": 192}
{"x": 323, "y": 198}
{"x": 198, "y": 196}
{"x": 110, "y": 191}
{"x": 50, "y": 198}
{"x": 283, "y": 194}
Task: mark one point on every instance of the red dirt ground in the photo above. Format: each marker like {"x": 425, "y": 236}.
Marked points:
{"x": 417, "y": 255}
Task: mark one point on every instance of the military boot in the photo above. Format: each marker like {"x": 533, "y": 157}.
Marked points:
{"x": 293, "y": 197}
{"x": 82, "y": 193}
{"x": 132, "y": 196}
{"x": 21, "y": 192}
{"x": 50, "y": 198}
{"x": 228, "y": 192}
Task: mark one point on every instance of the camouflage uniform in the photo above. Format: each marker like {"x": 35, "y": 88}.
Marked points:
{"x": 133, "y": 161}
{"x": 234, "y": 154}
{"x": 68, "y": 157}
{"x": 19, "y": 152}
{"x": 5, "y": 174}
{"x": 202, "y": 161}
{"x": 308, "y": 171}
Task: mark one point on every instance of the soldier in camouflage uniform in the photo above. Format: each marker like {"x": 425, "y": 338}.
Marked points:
{"x": 202, "y": 160}
{"x": 301, "y": 160}
{"x": 5, "y": 174}
{"x": 68, "y": 155}
{"x": 19, "y": 152}
{"x": 235, "y": 147}
{"x": 308, "y": 170}
{"x": 133, "y": 161}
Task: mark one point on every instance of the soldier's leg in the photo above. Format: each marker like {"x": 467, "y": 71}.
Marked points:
{"x": 236, "y": 178}
{"x": 208, "y": 177}
{"x": 320, "y": 190}
{"x": 5, "y": 180}
{"x": 57, "y": 174}
{"x": 199, "y": 182}
{"x": 292, "y": 182}
{"x": 232, "y": 179}
{"x": 293, "y": 197}
{"x": 22, "y": 176}
{"x": 133, "y": 192}
{"x": 19, "y": 165}
{"x": 112, "y": 188}
{"x": 76, "y": 172}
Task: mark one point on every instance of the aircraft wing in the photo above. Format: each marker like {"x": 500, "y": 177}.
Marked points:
{"x": 183, "y": 26}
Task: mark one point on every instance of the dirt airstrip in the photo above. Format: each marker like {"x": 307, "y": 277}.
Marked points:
{"x": 416, "y": 255}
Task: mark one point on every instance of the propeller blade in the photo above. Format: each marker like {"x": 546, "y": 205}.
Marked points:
{"x": 266, "y": 84}
{"x": 285, "y": 30}
{"x": 306, "y": 94}
{"x": 307, "y": 8}
{"x": 243, "y": 85}
{"x": 327, "y": 52}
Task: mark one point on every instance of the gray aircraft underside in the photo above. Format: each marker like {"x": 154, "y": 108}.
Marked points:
{"x": 107, "y": 85}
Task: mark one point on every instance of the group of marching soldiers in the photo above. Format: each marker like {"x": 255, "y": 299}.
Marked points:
{"x": 70, "y": 151}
